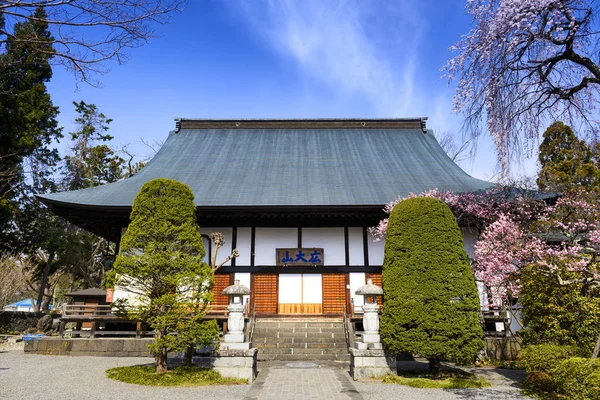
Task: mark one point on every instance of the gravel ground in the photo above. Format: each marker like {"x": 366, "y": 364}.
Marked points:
{"x": 29, "y": 376}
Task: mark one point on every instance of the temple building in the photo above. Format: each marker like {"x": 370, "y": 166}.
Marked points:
{"x": 295, "y": 197}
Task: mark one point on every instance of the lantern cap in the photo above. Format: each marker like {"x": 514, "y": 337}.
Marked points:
{"x": 369, "y": 289}
{"x": 236, "y": 289}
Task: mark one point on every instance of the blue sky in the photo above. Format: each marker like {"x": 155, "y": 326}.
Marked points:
{"x": 285, "y": 59}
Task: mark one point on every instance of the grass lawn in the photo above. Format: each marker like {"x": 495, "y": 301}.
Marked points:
{"x": 446, "y": 380}
{"x": 176, "y": 376}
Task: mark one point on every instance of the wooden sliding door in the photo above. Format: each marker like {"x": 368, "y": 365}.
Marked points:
{"x": 264, "y": 293}
{"x": 300, "y": 294}
{"x": 334, "y": 293}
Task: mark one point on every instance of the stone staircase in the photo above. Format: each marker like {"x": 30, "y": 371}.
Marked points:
{"x": 300, "y": 339}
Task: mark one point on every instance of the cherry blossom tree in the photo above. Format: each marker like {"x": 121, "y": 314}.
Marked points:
{"x": 526, "y": 63}
{"x": 519, "y": 231}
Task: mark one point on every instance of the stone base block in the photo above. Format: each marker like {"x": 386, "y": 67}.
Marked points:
{"x": 232, "y": 363}
{"x": 233, "y": 338}
{"x": 117, "y": 347}
{"x": 366, "y": 364}
{"x": 370, "y": 338}
{"x": 235, "y": 346}
{"x": 368, "y": 346}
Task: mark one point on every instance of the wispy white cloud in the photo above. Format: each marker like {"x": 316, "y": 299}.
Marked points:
{"x": 368, "y": 48}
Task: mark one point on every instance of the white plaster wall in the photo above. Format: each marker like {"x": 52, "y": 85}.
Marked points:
{"x": 244, "y": 278}
{"x": 470, "y": 238}
{"x": 269, "y": 239}
{"x": 244, "y": 242}
{"x": 375, "y": 251}
{"x": 355, "y": 243}
{"x": 312, "y": 288}
{"x": 226, "y": 249}
{"x": 357, "y": 279}
{"x": 207, "y": 255}
{"x": 330, "y": 239}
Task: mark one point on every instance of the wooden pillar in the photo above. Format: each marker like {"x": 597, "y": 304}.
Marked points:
{"x": 93, "y": 329}
{"x": 61, "y": 328}
{"x": 138, "y": 329}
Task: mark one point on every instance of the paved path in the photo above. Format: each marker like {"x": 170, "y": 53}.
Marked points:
{"x": 29, "y": 376}
{"x": 302, "y": 381}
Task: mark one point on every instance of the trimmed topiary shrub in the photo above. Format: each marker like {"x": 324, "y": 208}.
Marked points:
{"x": 431, "y": 304}
{"x": 578, "y": 378}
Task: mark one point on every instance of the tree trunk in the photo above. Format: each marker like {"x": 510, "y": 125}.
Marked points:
{"x": 44, "y": 282}
{"x": 596, "y": 349}
{"x": 189, "y": 354}
{"x": 161, "y": 361}
{"x": 434, "y": 366}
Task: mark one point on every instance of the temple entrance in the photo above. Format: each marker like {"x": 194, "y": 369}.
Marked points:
{"x": 300, "y": 294}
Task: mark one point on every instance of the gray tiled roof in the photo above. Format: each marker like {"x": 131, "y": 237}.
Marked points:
{"x": 291, "y": 167}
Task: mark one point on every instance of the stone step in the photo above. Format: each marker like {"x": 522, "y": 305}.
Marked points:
{"x": 285, "y": 324}
{"x": 257, "y": 340}
{"x": 305, "y": 335}
{"x": 311, "y": 329}
{"x": 304, "y": 357}
{"x": 330, "y": 350}
{"x": 302, "y": 345}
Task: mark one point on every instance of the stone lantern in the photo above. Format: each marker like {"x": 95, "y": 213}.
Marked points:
{"x": 234, "y": 339}
{"x": 370, "y": 338}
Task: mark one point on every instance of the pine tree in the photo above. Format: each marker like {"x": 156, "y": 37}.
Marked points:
{"x": 566, "y": 162}
{"x": 161, "y": 265}
{"x": 431, "y": 304}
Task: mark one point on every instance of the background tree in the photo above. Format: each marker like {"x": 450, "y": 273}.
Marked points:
{"x": 431, "y": 302}
{"x": 87, "y": 32}
{"x": 566, "y": 162}
{"x": 161, "y": 265}
{"x": 525, "y": 63}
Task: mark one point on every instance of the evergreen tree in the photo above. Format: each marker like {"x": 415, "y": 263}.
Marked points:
{"x": 91, "y": 164}
{"x": 566, "y": 162}
{"x": 431, "y": 304}
{"x": 27, "y": 117}
{"x": 161, "y": 265}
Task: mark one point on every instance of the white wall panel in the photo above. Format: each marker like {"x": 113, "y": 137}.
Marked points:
{"x": 330, "y": 239}
{"x": 269, "y": 239}
{"x": 290, "y": 288}
{"x": 312, "y": 288}
{"x": 244, "y": 241}
{"x": 470, "y": 238}
{"x": 244, "y": 278}
{"x": 357, "y": 279}
{"x": 226, "y": 249}
{"x": 375, "y": 251}
{"x": 355, "y": 242}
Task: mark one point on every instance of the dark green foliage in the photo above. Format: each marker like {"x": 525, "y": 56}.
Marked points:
{"x": 558, "y": 314}
{"x": 566, "y": 162}
{"x": 161, "y": 266}
{"x": 431, "y": 304}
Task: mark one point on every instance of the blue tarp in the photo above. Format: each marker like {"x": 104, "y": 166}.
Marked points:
{"x": 24, "y": 303}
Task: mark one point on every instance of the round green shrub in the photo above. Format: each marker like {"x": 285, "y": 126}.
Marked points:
{"x": 545, "y": 357}
{"x": 431, "y": 304}
{"x": 578, "y": 378}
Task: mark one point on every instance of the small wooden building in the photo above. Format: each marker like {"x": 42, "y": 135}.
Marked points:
{"x": 295, "y": 197}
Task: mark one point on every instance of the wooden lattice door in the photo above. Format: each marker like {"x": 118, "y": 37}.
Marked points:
{"x": 221, "y": 282}
{"x": 334, "y": 293}
{"x": 376, "y": 278}
{"x": 264, "y": 293}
